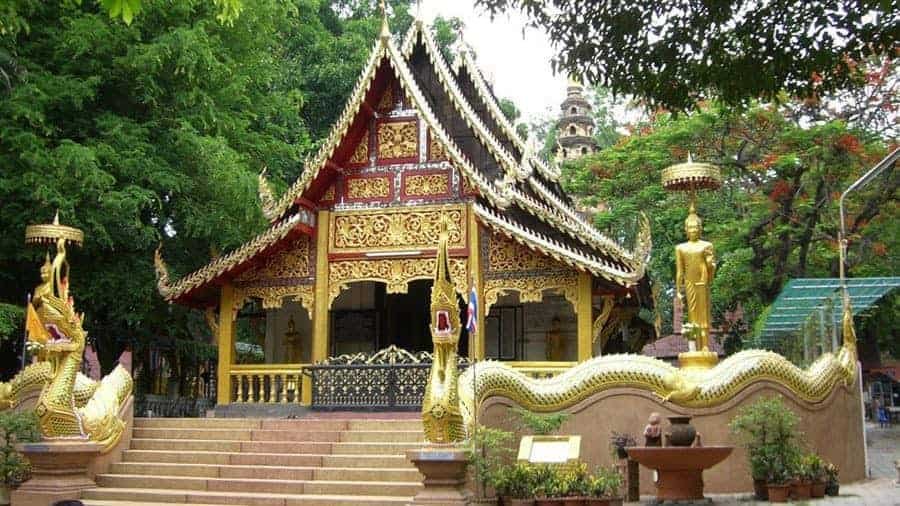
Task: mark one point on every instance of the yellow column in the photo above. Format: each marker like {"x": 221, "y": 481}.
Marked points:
{"x": 320, "y": 307}
{"x": 583, "y": 311}
{"x": 476, "y": 342}
{"x": 225, "y": 340}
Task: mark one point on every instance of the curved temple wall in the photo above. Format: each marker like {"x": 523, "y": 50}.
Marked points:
{"x": 833, "y": 428}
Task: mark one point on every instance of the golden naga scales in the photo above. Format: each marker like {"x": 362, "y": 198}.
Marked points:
{"x": 70, "y": 405}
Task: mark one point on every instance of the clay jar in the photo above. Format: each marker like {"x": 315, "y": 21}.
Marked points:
{"x": 682, "y": 432}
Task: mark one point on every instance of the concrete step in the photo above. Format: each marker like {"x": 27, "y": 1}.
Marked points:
{"x": 280, "y": 423}
{"x": 266, "y": 459}
{"x": 263, "y": 486}
{"x": 257, "y": 434}
{"x": 231, "y": 446}
{"x": 266, "y": 472}
{"x": 382, "y": 436}
{"x": 126, "y": 496}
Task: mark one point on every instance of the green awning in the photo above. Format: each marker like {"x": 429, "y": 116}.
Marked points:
{"x": 805, "y": 298}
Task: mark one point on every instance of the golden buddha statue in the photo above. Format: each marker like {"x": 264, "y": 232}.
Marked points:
{"x": 292, "y": 342}
{"x": 46, "y": 287}
{"x": 695, "y": 267}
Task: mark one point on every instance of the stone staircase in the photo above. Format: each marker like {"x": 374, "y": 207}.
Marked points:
{"x": 264, "y": 462}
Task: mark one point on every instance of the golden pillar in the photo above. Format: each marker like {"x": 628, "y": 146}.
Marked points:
{"x": 476, "y": 341}
{"x": 583, "y": 312}
{"x": 320, "y": 307}
{"x": 225, "y": 340}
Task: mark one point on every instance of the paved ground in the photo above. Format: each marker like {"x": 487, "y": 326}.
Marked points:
{"x": 881, "y": 490}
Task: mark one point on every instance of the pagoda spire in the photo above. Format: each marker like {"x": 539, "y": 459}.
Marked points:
{"x": 385, "y": 29}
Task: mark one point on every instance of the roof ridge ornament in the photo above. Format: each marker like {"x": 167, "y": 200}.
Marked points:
{"x": 385, "y": 29}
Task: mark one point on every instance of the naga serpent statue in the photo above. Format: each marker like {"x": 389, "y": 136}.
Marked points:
{"x": 441, "y": 416}
{"x": 70, "y": 405}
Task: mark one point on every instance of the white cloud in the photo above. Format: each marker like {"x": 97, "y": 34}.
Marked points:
{"x": 515, "y": 58}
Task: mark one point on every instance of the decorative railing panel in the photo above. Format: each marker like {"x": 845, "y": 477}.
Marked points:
{"x": 152, "y": 406}
{"x": 267, "y": 383}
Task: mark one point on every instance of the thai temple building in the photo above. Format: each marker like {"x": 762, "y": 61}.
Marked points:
{"x": 576, "y": 125}
{"x": 346, "y": 263}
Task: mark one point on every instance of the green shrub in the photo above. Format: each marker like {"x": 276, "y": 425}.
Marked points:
{"x": 16, "y": 427}
{"x": 540, "y": 423}
{"x": 768, "y": 430}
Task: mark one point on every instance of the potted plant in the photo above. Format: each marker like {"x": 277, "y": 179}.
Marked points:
{"x": 619, "y": 441}
{"x": 778, "y": 483}
{"x": 514, "y": 484}
{"x": 488, "y": 451}
{"x": 832, "y": 485}
{"x": 816, "y": 471}
{"x": 800, "y": 487}
{"x": 605, "y": 487}
{"x": 767, "y": 429}
{"x": 548, "y": 485}
{"x": 16, "y": 427}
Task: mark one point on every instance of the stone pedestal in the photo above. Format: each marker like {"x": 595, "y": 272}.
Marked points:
{"x": 679, "y": 469}
{"x": 59, "y": 471}
{"x": 444, "y": 468}
{"x": 629, "y": 470}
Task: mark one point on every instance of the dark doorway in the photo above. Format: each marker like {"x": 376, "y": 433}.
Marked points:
{"x": 399, "y": 319}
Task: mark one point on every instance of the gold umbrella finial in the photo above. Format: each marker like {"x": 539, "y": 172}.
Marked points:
{"x": 385, "y": 29}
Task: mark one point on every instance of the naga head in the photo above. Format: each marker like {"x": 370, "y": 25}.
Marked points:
{"x": 445, "y": 321}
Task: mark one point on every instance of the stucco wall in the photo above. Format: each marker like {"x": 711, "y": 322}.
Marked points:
{"x": 833, "y": 428}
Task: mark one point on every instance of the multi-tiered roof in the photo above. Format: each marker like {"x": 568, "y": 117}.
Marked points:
{"x": 518, "y": 194}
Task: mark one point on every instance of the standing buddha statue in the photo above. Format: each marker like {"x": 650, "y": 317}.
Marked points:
{"x": 695, "y": 267}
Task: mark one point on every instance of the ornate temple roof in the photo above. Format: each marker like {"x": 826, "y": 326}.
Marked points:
{"x": 518, "y": 193}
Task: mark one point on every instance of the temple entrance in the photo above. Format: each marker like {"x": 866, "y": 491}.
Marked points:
{"x": 365, "y": 318}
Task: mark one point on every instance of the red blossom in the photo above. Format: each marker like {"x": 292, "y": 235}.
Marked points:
{"x": 780, "y": 190}
{"x": 848, "y": 143}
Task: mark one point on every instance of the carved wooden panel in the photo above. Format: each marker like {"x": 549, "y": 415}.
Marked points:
{"x": 508, "y": 255}
{"x": 395, "y": 229}
{"x": 424, "y": 185}
{"x": 368, "y": 188}
{"x": 435, "y": 148}
{"x": 291, "y": 262}
{"x": 395, "y": 273}
{"x": 361, "y": 153}
{"x": 398, "y": 139}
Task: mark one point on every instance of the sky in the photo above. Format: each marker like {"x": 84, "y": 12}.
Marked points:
{"x": 517, "y": 62}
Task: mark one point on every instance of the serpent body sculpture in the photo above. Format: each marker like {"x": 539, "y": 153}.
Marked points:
{"x": 441, "y": 417}
{"x": 692, "y": 388}
{"x": 70, "y": 405}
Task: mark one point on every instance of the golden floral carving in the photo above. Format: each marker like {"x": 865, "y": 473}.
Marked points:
{"x": 398, "y": 140}
{"x": 329, "y": 194}
{"x": 273, "y": 296}
{"x": 292, "y": 262}
{"x": 508, "y": 255}
{"x": 435, "y": 148}
{"x": 395, "y": 273}
{"x": 419, "y": 185}
{"x": 531, "y": 288}
{"x": 395, "y": 229}
{"x": 361, "y": 153}
{"x": 386, "y": 103}
{"x": 368, "y": 187}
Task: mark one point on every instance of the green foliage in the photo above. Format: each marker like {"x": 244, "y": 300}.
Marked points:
{"x": 12, "y": 321}
{"x": 540, "y": 423}
{"x": 154, "y": 132}
{"x": 768, "y": 430}
{"x": 488, "y": 450}
{"x": 674, "y": 54}
{"x": 774, "y": 219}
{"x": 446, "y": 32}
{"x": 16, "y": 427}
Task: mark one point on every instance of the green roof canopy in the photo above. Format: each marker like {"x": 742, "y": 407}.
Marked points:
{"x": 803, "y": 298}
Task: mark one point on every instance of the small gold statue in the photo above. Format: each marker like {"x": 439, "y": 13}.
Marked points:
{"x": 695, "y": 267}
{"x": 555, "y": 345}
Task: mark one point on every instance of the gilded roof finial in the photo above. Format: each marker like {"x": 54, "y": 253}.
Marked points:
{"x": 385, "y": 29}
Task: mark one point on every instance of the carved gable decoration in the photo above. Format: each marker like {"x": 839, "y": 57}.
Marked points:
{"x": 508, "y": 255}
{"x": 292, "y": 262}
{"x": 398, "y": 140}
{"x": 376, "y": 188}
{"x": 428, "y": 184}
{"x": 361, "y": 153}
{"x": 395, "y": 229}
{"x": 435, "y": 149}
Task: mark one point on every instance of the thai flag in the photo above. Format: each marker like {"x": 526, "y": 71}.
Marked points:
{"x": 472, "y": 323}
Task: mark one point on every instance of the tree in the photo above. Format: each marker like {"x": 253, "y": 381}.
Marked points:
{"x": 154, "y": 132}
{"x": 674, "y": 54}
{"x": 776, "y": 216}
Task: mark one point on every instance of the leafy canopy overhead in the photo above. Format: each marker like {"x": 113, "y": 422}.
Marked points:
{"x": 676, "y": 53}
